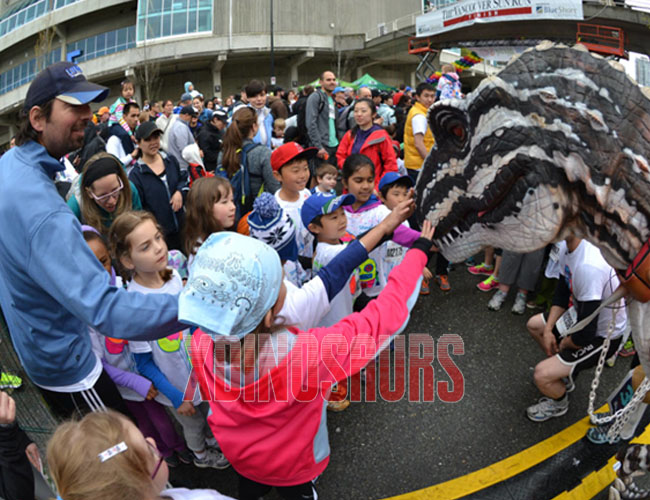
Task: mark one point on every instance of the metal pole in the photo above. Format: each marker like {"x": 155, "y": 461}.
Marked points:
{"x": 272, "y": 49}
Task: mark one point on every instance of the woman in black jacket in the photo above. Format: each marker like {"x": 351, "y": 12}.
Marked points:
{"x": 161, "y": 184}
{"x": 210, "y": 138}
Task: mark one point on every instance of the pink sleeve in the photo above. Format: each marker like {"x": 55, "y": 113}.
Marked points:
{"x": 346, "y": 347}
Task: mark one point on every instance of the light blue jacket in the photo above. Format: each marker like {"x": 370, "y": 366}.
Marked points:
{"x": 52, "y": 287}
{"x": 268, "y": 126}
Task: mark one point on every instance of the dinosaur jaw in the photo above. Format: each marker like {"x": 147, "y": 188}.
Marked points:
{"x": 522, "y": 220}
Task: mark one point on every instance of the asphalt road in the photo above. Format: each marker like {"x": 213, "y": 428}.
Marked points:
{"x": 380, "y": 449}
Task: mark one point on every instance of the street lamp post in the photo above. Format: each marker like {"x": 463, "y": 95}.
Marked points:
{"x": 272, "y": 49}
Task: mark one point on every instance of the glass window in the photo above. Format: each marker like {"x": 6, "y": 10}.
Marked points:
{"x": 178, "y": 17}
{"x": 154, "y": 26}
{"x": 89, "y": 50}
{"x": 131, "y": 35}
{"x": 205, "y": 20}
{"x": 179, "y": 24}
{"x": 21, "y": 18}
{"x": 155, "y": 6}
{"x": 191, "y": 21}
{"x": 3, "y": 27}
{"x": 141, "y": 26}
{"x": 111, "y": 37}
{"x": 167, "y": 24}
{"x": 100, "y": 44}
{"x": 121, "y": 39}
{"x": 31, "y": 13}
{"x": 179, "y": 5}
{"x": 12, "y": 23}
{"x": 41, "y": 7}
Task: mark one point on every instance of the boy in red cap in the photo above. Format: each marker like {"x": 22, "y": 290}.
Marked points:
{"x": 291, "y": 169}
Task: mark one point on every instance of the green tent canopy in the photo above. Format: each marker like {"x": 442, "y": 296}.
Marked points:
{"x": 370, "y": 82}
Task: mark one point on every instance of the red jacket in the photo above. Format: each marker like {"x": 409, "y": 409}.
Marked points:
{"x": 274, "y": 430}
{"x": 378, "y": 147}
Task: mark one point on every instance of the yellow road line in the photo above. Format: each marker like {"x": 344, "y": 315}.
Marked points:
{"x": 598, "y": 480}
{"x": 505, "y": 469}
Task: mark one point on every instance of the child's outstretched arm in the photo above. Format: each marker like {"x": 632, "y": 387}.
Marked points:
{"x": 366, "y": 333}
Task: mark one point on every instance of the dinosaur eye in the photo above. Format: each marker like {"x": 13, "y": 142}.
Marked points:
{"x": 449, "y": 125}
{"x": 457, "y": 131}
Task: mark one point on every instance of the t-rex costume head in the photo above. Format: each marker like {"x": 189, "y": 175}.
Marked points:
{"x": 558, "y": 142}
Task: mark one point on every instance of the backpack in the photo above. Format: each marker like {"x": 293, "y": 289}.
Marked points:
{"x": 303, "y": 135}
{"x": 197, "y": 171}
{"x": 241, "y": 182}
{"x": 343, "y": 120}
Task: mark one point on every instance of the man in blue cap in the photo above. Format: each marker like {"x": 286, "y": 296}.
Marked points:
{"x": 52, "y": 287}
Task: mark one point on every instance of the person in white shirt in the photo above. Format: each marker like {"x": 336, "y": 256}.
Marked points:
{"x": 585, "y": 281}
{"x": 164, "y": 122}
{"x": 120, "y": 142}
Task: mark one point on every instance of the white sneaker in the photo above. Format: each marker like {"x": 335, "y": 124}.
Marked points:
{"x": 519, "y": 306}
{"x": 547, "y": 408}
{"x": 497, "y": 300}
{"x": 213, "y": 459}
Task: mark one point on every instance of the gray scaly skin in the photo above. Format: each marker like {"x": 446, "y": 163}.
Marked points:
{"x": 557, "y": 143}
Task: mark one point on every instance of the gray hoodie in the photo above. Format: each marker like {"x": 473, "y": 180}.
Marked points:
{"x": 317, "y": 114}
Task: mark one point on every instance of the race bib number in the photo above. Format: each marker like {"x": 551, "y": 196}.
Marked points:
{"x": 566, "y": 321}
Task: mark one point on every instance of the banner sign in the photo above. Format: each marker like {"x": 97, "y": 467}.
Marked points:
{"x": 468, "y": 12}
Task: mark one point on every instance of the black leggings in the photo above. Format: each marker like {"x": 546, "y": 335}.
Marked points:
{"x": 103, "y": 395}
{"x": 252, "y": 490}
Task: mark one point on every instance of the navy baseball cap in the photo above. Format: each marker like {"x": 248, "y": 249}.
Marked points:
{"x": 64, "y": 81}
{"x": 391, "y": 177}
{"x": 317, "y": 205}
{"x": 189, "y": 110}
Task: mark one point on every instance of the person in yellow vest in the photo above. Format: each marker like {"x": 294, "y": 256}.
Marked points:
{"x": 418, "y": 141}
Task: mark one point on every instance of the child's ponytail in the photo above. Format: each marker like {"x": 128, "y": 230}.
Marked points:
{"x": 242, "y": 124}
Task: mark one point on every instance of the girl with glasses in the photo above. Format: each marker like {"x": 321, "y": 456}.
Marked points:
{"x": 103, "y": 193}
{"x": 105, "y": 456}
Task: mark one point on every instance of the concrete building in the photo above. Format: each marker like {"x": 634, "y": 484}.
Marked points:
{"x": 217, "y": 44}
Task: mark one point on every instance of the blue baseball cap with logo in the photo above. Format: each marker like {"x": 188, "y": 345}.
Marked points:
{"x": 64, "y": 81}
{"x": 317, "y": 205}
{"x": 392, "y": 177}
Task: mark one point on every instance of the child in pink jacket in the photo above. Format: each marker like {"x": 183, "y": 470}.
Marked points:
{"x": 268, "y": 388}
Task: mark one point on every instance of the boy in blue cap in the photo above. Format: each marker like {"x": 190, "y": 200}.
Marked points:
{"x": 393, "y": 189}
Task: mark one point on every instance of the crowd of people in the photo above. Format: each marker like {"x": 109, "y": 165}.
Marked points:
{"x": 162, "y": 247}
